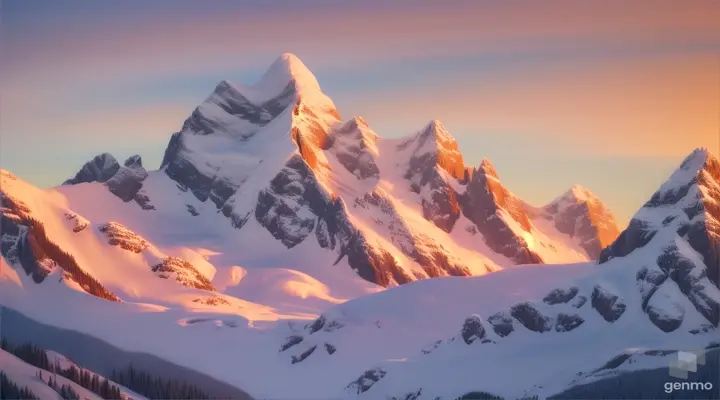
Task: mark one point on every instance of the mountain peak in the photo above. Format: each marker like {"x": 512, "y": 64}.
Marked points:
{"x": 577, "y": 194}
{"x": 435, "y": 124}
{"x": 698, "y": 161}
{"x": 134, "y": 161}
{"x": 436, "y": 129}
{"x": 487, "y": 168}
{"x": 286, "y": 69}
{"x": 354, "y": 123}
{"x": 289, "y": 58}
{"x": 101, "y": 168}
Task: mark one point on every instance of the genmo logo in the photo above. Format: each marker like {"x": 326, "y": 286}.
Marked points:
{"x": 681, "y": 364}
{"x": 687, "y": 386}
{"x": 684, "y": 362}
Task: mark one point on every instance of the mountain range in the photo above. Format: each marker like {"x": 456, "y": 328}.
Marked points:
{"x": 293, "y": 254}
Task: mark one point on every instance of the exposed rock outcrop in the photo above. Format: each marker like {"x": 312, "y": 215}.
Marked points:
{"x": 484, "y": 201}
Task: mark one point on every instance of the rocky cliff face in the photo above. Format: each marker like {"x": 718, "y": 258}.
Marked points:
{"x": 493, "y": 209}
{"x": 125, "y": 182}
{"x": 435, "y": 159}
{"x": 355, "y": 146}
{"x": 99, "y": 169}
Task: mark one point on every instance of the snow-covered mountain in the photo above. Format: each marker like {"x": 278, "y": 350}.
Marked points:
{"x": 266, "y": 251}
{"x": 277, "y": 157}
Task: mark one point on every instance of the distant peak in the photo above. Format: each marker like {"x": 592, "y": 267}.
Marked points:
{"x": 577, "y": 194}
{"x": 356, "y": 122}
{"x": 487, "y": 168}
{"x": 134, "y": 161}
{"x": 435, "y": 125}
{"x": 437, "y": 129}
{"x": 101, "y": 168}
{"x": 435, "y": 132}
{"x": 579, "y": 191}
{"x": 225, "y": 86}
{"x": 103, "y": 159}
{"x": 355, "y": 125}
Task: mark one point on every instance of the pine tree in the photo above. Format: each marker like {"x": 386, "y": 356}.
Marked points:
{"x": 10, "y": 390}
{"x": 68, "y": 393}
{"x": 154, "y": 387}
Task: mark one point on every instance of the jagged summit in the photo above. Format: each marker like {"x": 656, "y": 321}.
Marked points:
{"x": 134, "y": 161}
{"x": 436, "y": 129}
{"x": 432, "y": 146}
{"x": 354, "y": 123}
{"x": 580, "y": 214}
{"x": 101, "y": 168}
{"x": 699, "y": 160}
{"x": 580, "y": 193}
{"x": 486, "y": 167}
{"x": 577, "y": 194}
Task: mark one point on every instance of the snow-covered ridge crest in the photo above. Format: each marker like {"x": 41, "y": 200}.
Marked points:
{"x": 286, "y": 71}
{"x": 701, "y": 159}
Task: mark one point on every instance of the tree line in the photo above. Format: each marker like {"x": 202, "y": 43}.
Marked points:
{"x": 11, "y": 390}
{"x": 37, "y": 357}
{"x": 154, "y": 387}
{"x": 142, "y": 382}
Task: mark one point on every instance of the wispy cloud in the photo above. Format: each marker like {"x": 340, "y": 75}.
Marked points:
{"x": 188, "y": 41}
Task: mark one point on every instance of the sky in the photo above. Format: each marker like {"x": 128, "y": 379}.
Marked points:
{"x": 611, "y": 95}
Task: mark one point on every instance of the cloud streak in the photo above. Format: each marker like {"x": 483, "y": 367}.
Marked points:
{"x": 188, "y": 42}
